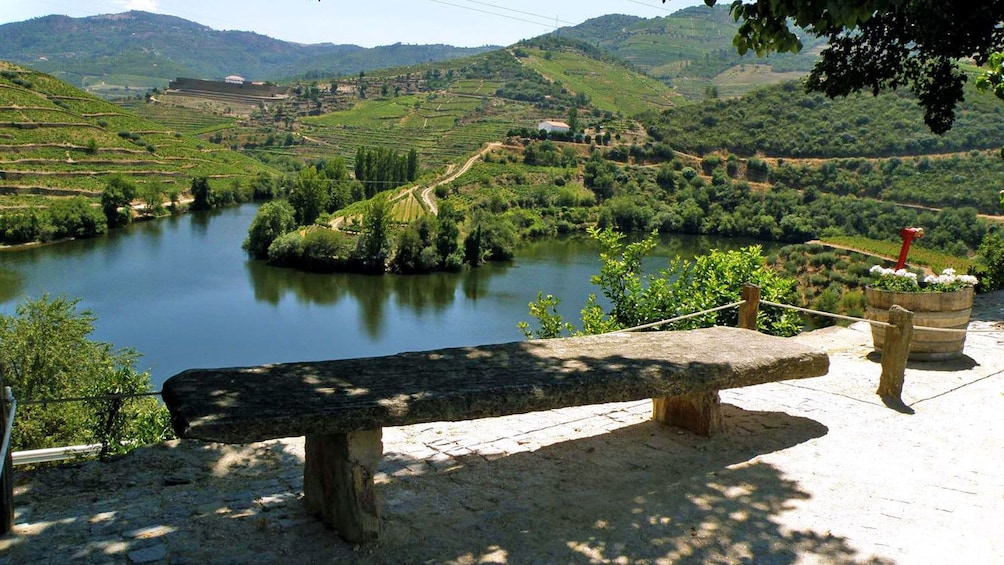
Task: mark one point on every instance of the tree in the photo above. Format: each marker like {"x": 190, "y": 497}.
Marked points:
{"x": 309, "y": 196}
{"x": 116, "y": 199}
{"x": 272, "y": 220}
{"x": 202, "y": 195}
{"x": 373, "y": 247}
{"x": 152, "y": 196}
{"x": 447, "y": 234}
{"x": 573, "y": 120}
{"x": 880, "y": 44}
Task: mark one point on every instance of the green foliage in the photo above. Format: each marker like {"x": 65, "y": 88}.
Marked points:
{"x": 416, "y": 248}
{"x": 373, "y": 247}
{"x": 545, "y": 311}
{"x": 309, "y": 196}
{"x": 685, "y": 287}
{"x": 64, "y": 218}
{"x": 989, "y": 264}
{"x": 381, "y": 169}
{"x": 272, "y": 220}
{"x": 784, "y": 121}
{"x": 202, "y": 194}
{"x": 45, "y": 353}
{"x": 116, "y": 201}
{"x": 447, "y": 234}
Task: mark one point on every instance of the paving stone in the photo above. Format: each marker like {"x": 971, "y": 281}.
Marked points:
{"x": 150, "y": 554}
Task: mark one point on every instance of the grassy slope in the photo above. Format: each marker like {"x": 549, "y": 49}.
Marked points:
{"x": 690, "y": 50}
{"x": 609, "y": 86}
{"x": 47, "y": 126}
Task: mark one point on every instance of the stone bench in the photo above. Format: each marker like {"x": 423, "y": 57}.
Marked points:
{"x": 341, "y": 406}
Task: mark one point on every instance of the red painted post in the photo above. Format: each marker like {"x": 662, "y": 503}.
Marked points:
{"x": 908, "y": 235}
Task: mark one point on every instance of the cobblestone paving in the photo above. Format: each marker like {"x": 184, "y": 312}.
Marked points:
{"x": 810, "y": 471}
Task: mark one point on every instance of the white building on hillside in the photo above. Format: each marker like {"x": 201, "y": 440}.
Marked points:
{"x": 234, "y": 79}
{"x": 551, "y": 126}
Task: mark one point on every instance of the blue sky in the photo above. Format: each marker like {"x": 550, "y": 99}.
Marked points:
{"x": 465, "y": 23}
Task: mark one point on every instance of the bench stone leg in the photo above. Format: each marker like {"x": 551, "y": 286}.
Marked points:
{"x": 338, "y": 482}
{"x": 700, "y": 413}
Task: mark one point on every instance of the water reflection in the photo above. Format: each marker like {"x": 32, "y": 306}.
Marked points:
{"x": 11, "y": 284}
{"x": 182, "y": 292}
{"x": 372, "y": 295}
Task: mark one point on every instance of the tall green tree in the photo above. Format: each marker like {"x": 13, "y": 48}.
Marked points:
{"x": 373, "y": 247}
{"x": 447, "y": 236}
{"x": 202, "y": 194}
{"x": 309, "y": 196}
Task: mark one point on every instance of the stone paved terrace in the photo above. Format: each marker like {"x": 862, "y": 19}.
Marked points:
{"x": 811, "y": 471}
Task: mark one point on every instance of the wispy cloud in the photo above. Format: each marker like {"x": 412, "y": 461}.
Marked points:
{"x": 143, "y": 5}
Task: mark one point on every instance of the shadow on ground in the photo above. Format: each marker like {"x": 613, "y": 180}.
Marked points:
{"x": 635, "y": 494}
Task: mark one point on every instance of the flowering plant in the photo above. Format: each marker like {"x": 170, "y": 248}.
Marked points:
{"x": 904, "y": 281}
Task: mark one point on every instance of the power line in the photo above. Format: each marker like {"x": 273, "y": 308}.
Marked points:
{"x": 519, "y": 11}
{"x": 548, "y": 25}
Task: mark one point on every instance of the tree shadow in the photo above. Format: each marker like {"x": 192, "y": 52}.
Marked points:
{"x": 175, "y": 502}
{"x": 636, "y": 494}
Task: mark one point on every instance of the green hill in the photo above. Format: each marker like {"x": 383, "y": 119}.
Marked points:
{"x": 691, "y": 50}
{"x": 606, "y": 83}
{"x": 445, "y": 110}
{"x": 56, "y": 140}
{"x": 784, "y": 121}
{"x": 114, "y": 54}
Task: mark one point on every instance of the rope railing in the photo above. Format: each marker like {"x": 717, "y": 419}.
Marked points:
{"x": 873, "y": 322}
{"x": 827, "y": 314}
{"x": 679, "y": 318}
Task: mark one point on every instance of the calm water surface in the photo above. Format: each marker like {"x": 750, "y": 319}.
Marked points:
{"x": 182, "y": 293}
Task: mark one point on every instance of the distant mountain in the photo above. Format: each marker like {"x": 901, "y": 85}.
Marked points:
{"x": 139, "y": 50}
{"x": 692, "y": 50}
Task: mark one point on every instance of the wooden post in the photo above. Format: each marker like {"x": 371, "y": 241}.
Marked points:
{"x": 894, "y": 354}
{"x": 748, "y": 309}
{"x": 7, "y": 483}
{"x": 338, "y": 482}
{"x": 700, "y": 413}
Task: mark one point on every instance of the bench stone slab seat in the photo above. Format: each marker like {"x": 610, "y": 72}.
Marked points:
{"x": 341, "y": 406}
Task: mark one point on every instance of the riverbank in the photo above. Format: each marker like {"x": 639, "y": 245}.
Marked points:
{"x": 811, "y": 471}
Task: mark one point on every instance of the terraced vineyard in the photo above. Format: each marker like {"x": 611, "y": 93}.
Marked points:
{"x": 57, "y": 140}
{"x": 192, "y": 121}
{"x": 441, "y": 126}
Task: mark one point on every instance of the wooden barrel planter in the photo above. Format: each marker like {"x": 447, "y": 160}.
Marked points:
{"x": 930, "y": 309}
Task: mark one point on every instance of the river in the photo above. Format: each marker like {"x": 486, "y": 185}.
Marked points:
{"x": 183, "y": 293}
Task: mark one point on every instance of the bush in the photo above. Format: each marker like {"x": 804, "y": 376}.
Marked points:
{"x": 685, "y": 287}
{"x": 286, "y": 250}
{"x": 272, "y": 220}
{"x": 46, "y": 353}
{"x": 989, "y": 268}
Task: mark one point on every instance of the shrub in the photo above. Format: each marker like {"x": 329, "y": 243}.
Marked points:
{"x": 272, "y": 220}
{"x": 46, "y": 353}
